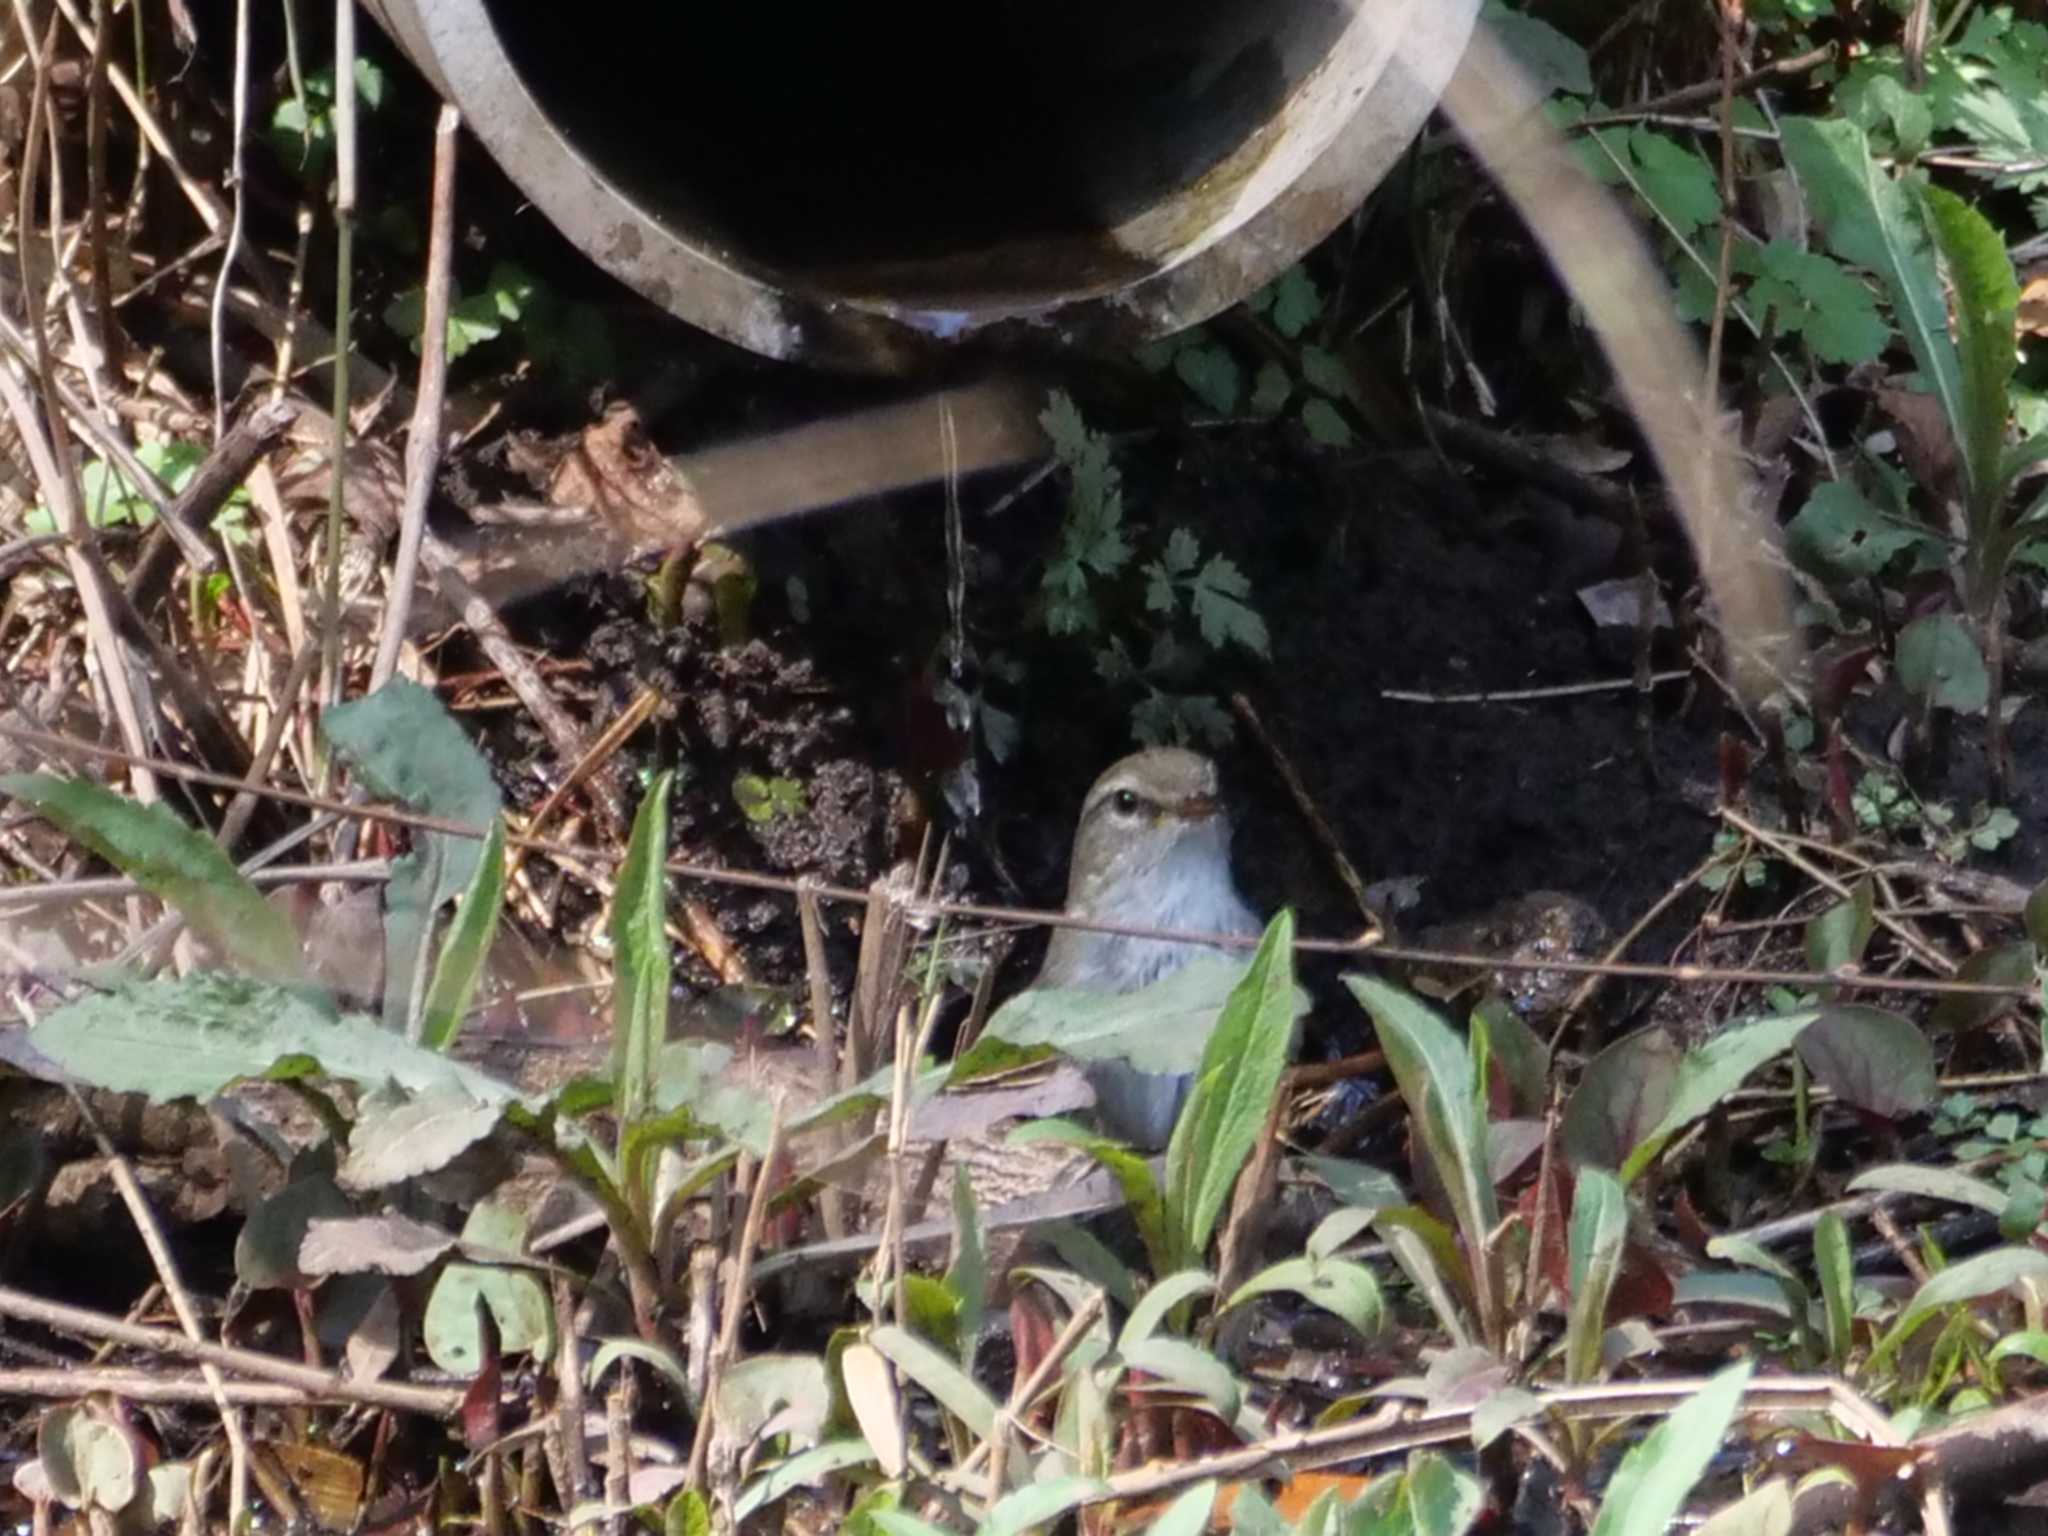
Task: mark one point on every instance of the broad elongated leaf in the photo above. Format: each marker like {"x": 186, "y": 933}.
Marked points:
{"x": 182, "y": 867}
{"x": 955, "y": 1390}
{"x": 1134, "y": 1176}
{"x": 1987, "y": 296}
{"x": 1161, "y": 1298}
{"x": 1937, "y": 1183}
{"x": 1599, "y": 1234}
{"x": 1039, "y": 1504}
{"x": 2009, "y": 965}
{"x": 1233, "y": 1092}
{"x": 399, "y": 1136}
{"x": 1620, "y": 1097}
{"x": 640, "y": 956}
{"x": 191, "y": 1036}
{"x": 1872, "y": 1058}
{"x": 1163, "y": 1028}
{"x": 1869, "y": 220}
{"x": 1190, "y": 1366}
{"x": 1435, "y": 1073}
{"x": 801, "y": 1471}
{"x": 1710, "y": 1072}
{"x": 1984, "y": 1274}
{"x": 467, "y": 946}
{"x": 1339, "y": 1286}
{"x": 1835, "y": 1265}
{"x": 1432, "y": 1497}
{"x": 967, "y": 1274}
{"x": 1654, "y": 1478}
{"x": 406, "y": 747}
{"x": 871, "y": 1393}
{"x": 1838, "y": 937}
{"x": 267, "y": 1247}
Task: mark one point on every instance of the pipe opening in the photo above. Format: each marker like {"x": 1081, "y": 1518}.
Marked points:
{"x": 921, "y": 146}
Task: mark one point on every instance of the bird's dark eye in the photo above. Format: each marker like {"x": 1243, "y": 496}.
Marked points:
{"x": 1125, "y": 802}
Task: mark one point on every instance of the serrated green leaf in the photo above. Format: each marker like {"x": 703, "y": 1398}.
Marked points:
{"x": 1297, "y": 302}
{"x": 1325, "y": 423}
{"x": 1676, "y": 181}
{"x": 1213, "y": 376}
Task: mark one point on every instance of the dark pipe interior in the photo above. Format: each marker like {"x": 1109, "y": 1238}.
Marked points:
{"x": 814, "y": 141}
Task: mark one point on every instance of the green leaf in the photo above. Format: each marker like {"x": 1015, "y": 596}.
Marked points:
{"x": 400, "y": 1135}
{"x": 1987, "y": 296}
{"x": 1212, "y": 375}
{"x": 2036, "y": 916}
{"x": 519, "y": 1303}
{"x": 1873, "y": 1059}
{"x": 1985, "y": 1274}
{"x": 1134, "y": 1177}
{"x": 1838, "y": 937}
{"x": 1710, "y": 1072}
{"x": 2005, "y": 964}
{"x": 467, "y": 945}
{"x": 1325, "y": 424}
{"x": 1808, "y": 293}
{"x": 188, "y": 1038}
{"x": 1339, "y": 1286}
{"x": 1599, "y": 1232}
{"x": 967, "y": 1275}
{"x": 640, "y": 955}
{"x": 955, "y": 1390}
{"x": 1040, "y": 1504}
{"x": 1234, "y": 1088}
{"x": 1325, "y": 371}
{"x": 610, "y": 1351}
{"x": 1186, "y": 1365}
{"x": 1297, "y": 302}
{"x": 1839, "y": 536}
{"x": 1834, "y": 1265}
{"x": 1271, "y": 389}
{"x": 1188, "y": 1514}
{"x": 171, "y": 861}
{"x": 1163, "y": 1028}
{"x": 1654, "y": 1478}
{"x": 267, "y": 1247}
{"x": 1224, "y": 617}
{"x": 803, "y": 1470}
{"x": 404, "y": 745}
{"x": 1675, "y": 180}
{"x": 1870, "y": 221}
{"x": 1553, "y": 62}
{"x": 1935, "y": 1183}
{"x": 1160, "y": 1298}
{"x": 1433, "y": 1497}
{"x": 1435, "y": 1073}
{"x": 1939, "y": 661}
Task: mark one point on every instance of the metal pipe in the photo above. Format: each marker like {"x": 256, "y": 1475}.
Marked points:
{"x": 869, "y": 187}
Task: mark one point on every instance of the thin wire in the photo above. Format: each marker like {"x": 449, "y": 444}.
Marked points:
{"x": 926, "y": 912}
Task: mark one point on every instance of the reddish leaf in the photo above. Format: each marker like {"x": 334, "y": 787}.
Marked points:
{"x": 480, "y": 1398}
{"x": 1734, "y": 757}
{"x": 1841, "y": 799}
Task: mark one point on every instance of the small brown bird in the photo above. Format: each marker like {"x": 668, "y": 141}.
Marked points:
{"x": 1152, "y": 849}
